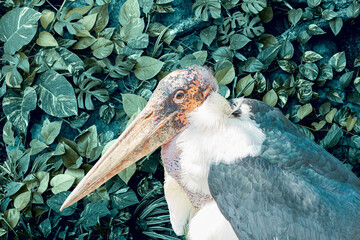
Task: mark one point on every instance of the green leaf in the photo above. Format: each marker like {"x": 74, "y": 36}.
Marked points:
{"x": 309, "y": 70}
{"x": 328, "y": 14}
{"x": 345, "y": 79}
{"x": 332, "y": 137}
{"x": 336, "y": 25}
{"x": 353, "y": 10}
{"x": 2, "y": 232}
{"x": 45, "y": 39}
{"x": 12, "y": 188}
{"x": 315, "y": 30}
{"x": 253, "y": 65}
{"x": 43, "y": 178}
{"x": 294, "y": 16}
{"x": 92, "y": 214}
{"x": 201, "y": 56}
{"x": 60, "y": 59}
{"x": 325, "y": 73}
{"x": 123, "y": 198}
{"x": 45, "y": 227}
{"x": 243, "y": 83}
{"x": 17, "y": 28}
{"x": 127, "y": 173}
{"x": 332, "y": 95}
{"x": 22, "y": 200}
{"x": 102, "y": 48}
{"x": 304, "y": 111}
{"x": 102, "y": 17}
{"x": 318, "y": 125}
{"x": 313, "y": 3}
{"x": 260, "y": 82}
{"x": 253, "y": 6}
{"x": 23, "y": 163}
{"x": 56, "y": 95}
{"x": 133, "y": 103}
{"x": 286, "y": 50}
{"x": 270, "y": 98}
{"x": 107, "y": 113}
{"x": 287, "y": 66}
{"x": 223, "y": 53}
{"x": 78, "y": 174}
{"x": 12, "y": 216}
{"x": 57, "y": 200}
{"x": 330, "y": 115}
{"x": 357, "y": 84}
{"x": 88, "y": 143}
{"x": 37, "y": 146}
{"x": 202, "y": 9}
{"x": 18, "y": 106}
{"x": 226, "y": 75}
{"x": 324, "y": 108}
{"x": 147, "y": 67}
{"x": 8, "y": 134}
{"x": 310, "y": 56}
{"x": 208, "y": 35}
{"x": 338, "y": 61}
{"x": 130, "y": 9}
{"x": 61, "y": 182}
{"x": 350, "y": 123}
{"x": 238, "y": 41}
{"x": 50, "y": 131}
{"x": 268, "y": 55}
{"x": 133, "y": 29}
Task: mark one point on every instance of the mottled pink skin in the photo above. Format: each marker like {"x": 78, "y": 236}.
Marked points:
{"x": 170, "y": 155}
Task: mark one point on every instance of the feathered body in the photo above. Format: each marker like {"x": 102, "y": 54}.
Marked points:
{"x": 257, "y": 177}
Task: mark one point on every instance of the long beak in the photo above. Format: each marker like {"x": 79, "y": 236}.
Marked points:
{"x": 143, "y": 136}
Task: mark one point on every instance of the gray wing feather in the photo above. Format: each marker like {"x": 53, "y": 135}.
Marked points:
{"x": 293, "y": 190}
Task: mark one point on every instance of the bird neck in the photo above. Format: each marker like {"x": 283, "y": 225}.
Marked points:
{"x": 213, "y": 113}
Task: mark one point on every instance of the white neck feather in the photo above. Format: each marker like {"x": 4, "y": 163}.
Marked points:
{"x": 214, "y": 136}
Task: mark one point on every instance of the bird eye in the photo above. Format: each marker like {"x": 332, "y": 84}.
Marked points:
{"x": 179, "y": 96}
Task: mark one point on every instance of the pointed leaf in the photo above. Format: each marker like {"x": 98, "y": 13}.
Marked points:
{"x": 56, "y": 95}
{"x": 147, "y": 67}
{"x": 17, "y": 28}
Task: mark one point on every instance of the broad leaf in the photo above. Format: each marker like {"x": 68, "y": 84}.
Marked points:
{"x": 127, "y": 173}
{"x": 270, "y": 98}
{"x": 338, "y": 61}
{"x": 56, "y": 95}
{"x": 208, "y": 35}
{"x": 130, "y": 9}
{"x": 92, "y": 213}
{"x": 50, "y": 131}
{"x": 133, "y": 103}
{"x": 57, "y": 200}
{"x": 332, "y": 137}
{"x": 226, "y": 75}
{"x": 18, "y": 27}
{"x": 336, "y": 25}
{"x": 304, "y": 111}
{"x": 238, "y": 41}
{"x": 295, "y": 15}
{"x": 147, "y": 67}
{"x": 253, "y": 6}
{"x": 18, "y": 106}
{"x": 61, "y": 182}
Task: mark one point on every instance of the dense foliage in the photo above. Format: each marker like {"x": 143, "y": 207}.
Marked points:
{"x": 75, "y": 74}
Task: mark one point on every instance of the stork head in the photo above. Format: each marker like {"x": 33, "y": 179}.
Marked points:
{"x": 165, "y": 115}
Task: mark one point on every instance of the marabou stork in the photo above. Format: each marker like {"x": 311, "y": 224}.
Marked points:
{"x": 233, "y": 170}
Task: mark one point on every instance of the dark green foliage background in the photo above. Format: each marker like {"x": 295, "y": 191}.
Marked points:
{"x": 75, "y": 74}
